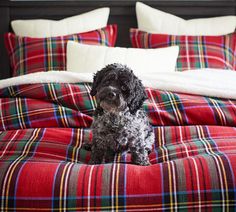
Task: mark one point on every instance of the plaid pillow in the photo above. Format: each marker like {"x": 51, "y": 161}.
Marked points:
{"x": 195, "y": 52}
{"x": 29, "y": 55}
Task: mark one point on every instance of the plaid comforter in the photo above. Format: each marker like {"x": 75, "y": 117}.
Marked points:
{"x": 43, "y": 168}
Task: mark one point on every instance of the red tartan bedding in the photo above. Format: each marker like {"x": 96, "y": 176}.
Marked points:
{"x": 43, "y": 168}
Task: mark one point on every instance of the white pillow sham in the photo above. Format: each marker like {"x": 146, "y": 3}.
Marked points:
{"x": 40, "y": 28}
{"x": 87, "y": 58}
{"x": 155, "y": 21}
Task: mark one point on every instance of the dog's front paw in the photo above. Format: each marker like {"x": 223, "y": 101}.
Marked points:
{"x": 140, "y": 159}
{"x": 142, "y": 163}
{"x": 145, "y": 163}
{"x": 87, "y": 146}
{"x": 94, "y": 162}
{"x": 96, "y": 159}
{"x": 91, "y": 162}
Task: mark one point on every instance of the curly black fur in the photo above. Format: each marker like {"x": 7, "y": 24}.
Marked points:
{"x": 120, "y": 123}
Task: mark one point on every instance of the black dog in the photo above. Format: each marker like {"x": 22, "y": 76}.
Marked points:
{"x": 120, "y": 123}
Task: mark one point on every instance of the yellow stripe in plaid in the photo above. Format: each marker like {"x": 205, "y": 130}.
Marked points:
{"x": 174, "y": 193}
{"x": 117, "y": 183}
{"x": 75, "y": 148}
{"x": 170, "y": 186}
{"x": 21, "y": 114}
{"x": 146, "y": 40}
{"x": 174, "y": 105}
{"x": 227, "y": 54}
{"x": 219, "y": 111}
{"x": 63, "y": 186}
{"x": 49, "y": 54}
{"x": 162, "y": 144}
{"x": 63, "y": 117}
{"x": 201, "y": 52}
{"x": 11, "y": 91}
{"x": 102, "y": 36}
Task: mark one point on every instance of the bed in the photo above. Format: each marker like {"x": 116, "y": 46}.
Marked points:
{"x": 45, "y": 117}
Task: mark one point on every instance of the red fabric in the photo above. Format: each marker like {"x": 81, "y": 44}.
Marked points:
{"x": 44, "y": 168}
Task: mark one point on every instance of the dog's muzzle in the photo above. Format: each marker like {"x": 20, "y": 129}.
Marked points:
{"x": 110, "y": 99}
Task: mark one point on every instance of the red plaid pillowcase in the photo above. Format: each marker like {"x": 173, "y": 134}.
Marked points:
{"x": 195, "y": 51}
{"x": 29, "y": 55}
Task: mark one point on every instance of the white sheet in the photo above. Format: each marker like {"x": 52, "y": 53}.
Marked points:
{"x": 207, "y": 82}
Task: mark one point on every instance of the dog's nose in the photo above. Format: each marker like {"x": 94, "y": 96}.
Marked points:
{"x": 112, "y": 95}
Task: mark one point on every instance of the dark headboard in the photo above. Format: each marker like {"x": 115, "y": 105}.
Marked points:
{"x": 122, "y": 13}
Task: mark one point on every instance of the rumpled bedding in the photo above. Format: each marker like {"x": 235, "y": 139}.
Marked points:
{"x": 44, "y": 168}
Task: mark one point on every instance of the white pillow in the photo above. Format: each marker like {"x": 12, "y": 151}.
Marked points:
{"x": 155, "y": 21}
{"x": 40, "y": 28}
{"x": 83, "y": 58}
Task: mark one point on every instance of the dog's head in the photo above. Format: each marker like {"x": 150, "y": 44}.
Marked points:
{"x": 116, "y": 88}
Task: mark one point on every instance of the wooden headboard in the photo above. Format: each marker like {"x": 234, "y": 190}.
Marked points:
{"x": 122, "y": 13}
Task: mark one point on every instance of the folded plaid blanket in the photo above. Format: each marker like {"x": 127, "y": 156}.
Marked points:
{"x": 43, "y": 168}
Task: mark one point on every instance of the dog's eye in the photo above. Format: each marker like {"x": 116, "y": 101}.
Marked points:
{"x": 123, "y": 88}
{"x": 107, "y": 82}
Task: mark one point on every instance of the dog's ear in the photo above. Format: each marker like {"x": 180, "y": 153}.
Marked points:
{"x": 97, "y": 78}
{"x": 138, "y": 96}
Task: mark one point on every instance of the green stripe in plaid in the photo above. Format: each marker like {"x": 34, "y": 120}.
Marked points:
{"x": 196, "y": 52}
{"x": 29, "y": 55}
